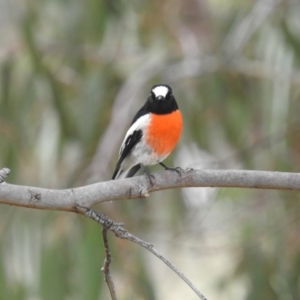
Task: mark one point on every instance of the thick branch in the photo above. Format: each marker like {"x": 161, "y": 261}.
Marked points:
{"x": 139, "y": 187}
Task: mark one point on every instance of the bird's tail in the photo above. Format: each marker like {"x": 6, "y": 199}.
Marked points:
{"x": 133, "y": 170}
{"x": 119, "y": 173}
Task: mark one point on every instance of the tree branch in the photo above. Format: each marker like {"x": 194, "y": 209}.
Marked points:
{"x": 80, "y": 199}
{"x": 139, "y": 187}
{"x": 107, "y": 262}
{"x": 121, "y": 232}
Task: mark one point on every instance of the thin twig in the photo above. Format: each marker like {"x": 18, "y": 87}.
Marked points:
{"x": 119, "y": 231}
{"x": 105, "y": 268}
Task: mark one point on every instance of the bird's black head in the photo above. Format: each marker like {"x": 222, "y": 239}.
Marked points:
{"x": 161, "y": 99}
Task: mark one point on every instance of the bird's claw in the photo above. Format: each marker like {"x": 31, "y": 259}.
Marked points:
{"x": 178, "y": 170}
{"x": 150, "y": 177}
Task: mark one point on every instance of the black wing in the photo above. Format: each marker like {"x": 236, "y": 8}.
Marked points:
{"x": 143, "y": 111}
{"x": 129, "y": 143}
{"x": 132, "y": 140}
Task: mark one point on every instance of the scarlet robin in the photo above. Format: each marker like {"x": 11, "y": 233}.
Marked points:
{"x": 152, "y": 135}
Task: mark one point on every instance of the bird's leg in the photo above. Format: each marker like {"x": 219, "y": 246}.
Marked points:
{"x": 148, "y": 175}
{"x": 177, "y": 169}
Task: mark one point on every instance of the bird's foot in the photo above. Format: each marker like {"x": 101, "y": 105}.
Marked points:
{"x": 150, "y": 177}
{"x": 178, "y": 170}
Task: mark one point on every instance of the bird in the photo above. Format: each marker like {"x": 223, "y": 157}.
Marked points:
{"x": 152, "y": 135}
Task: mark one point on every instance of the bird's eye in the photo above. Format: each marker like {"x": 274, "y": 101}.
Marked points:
{"x": 152, "y": 95}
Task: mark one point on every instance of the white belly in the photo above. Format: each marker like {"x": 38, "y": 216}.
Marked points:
{"x": 141, "y": 154}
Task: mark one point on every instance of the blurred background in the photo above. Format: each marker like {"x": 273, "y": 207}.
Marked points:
{"x": 72, "y": 76}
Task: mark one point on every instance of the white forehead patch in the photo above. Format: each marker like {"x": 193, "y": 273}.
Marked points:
{"x": 160, "y": 91}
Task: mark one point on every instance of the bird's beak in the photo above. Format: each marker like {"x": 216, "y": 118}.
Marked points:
{"x": 159, "y": 98}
